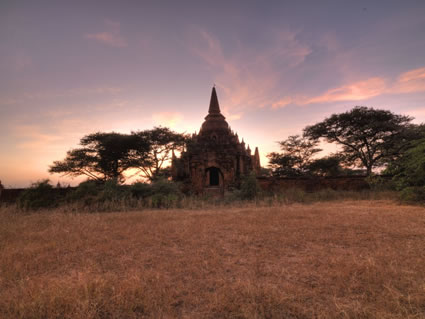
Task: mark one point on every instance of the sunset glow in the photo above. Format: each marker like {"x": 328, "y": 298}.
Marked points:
{"x": 72, "y": 68}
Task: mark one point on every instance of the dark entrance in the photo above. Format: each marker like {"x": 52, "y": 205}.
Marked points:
{"x": 214, "y": 176}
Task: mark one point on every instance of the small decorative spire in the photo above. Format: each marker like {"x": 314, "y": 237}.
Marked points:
{"x": 257, "y": 159}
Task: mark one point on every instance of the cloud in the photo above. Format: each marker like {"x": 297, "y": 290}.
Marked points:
{"x": 361, "y": 90}
{"x": 33, "y": 137}
{"x": 169, "y": 119}
{"x": 248, "y": 78}
{"x": 283, "y": 102}
{"x": 234, "y": 117}
{"x": 407, "y": 82}
{"x": 68, "y": 93}
{"x": 112, "y": 37}
{"x": 108, "y": 38}
{"x": 410, "y": 81}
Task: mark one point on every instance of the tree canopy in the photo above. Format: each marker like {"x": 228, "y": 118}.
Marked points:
{"x": 162, "y": 142}
{"x": 296, "y": 156}
{"x": 369, "y": 137}
{"x": 105, "y": 156}
{"x": 102, "y": 156}
{"x": 326, "y": 166}
{"x": 409, "y": 169}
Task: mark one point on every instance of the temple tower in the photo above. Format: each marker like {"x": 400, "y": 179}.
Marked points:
{"x": 215, "y": 160}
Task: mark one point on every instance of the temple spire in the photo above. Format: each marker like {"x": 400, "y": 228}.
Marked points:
{"x": 214, "y": 107}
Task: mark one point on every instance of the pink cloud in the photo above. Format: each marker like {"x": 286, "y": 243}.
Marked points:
{"x": 112, "y": 37}
{"x": 33, "y": 137}
{"x": 357, "y": 91}
{"x": 248, "y": 79}
{"x": 410, "y": 81}
{"x": 407, "y": 82}
{"x": 283, "y": 102}
{"x": 169, "y": 119}
{"x": 108, "y": 38}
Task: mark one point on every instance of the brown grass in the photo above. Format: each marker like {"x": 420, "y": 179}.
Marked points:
{"x": 346, "y": 259}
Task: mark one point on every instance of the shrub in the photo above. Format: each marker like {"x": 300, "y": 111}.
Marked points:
{"x": 112, "y": 191}
{"x": 140, "y": 190}
{"x": 40, "y": 195}
{"x": 165, "y": 194}
{"x": 87, "y": 192}
{"x": 249, "y": 187}
{"x": 379, "y": 183}
{"x": 413, "y": 194}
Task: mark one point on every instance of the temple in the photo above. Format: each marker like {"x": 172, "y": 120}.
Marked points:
{"x": 215, "y": 160}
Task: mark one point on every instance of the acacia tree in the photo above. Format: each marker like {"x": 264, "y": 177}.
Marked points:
{"x": 369, "y": 137}
{"x": 103, "y": 156}
{"x": 296, "y": 157}
{"x": 162, "y": 142}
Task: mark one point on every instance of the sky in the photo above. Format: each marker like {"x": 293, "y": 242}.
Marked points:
{"x": 71, "y": 68}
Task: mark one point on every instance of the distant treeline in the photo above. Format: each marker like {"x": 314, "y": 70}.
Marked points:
{"x": 368, "y": 140}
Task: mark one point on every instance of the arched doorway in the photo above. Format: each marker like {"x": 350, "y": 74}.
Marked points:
{"x": 213, "y": 176}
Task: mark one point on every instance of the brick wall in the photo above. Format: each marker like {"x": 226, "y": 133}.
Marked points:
{"x": 312, "y": 184}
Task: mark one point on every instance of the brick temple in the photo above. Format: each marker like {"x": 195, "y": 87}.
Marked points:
{"x": 215, "y": 160}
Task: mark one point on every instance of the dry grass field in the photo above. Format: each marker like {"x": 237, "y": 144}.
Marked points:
{"x": 345, "y": 259}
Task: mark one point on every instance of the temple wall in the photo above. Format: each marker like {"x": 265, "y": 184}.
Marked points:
{"x": 340, "y": 183}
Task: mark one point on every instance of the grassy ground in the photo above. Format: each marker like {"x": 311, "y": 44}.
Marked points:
{"x": 342, "y": 259}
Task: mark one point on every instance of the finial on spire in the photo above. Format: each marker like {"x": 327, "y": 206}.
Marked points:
{"x": 214, "y": 107}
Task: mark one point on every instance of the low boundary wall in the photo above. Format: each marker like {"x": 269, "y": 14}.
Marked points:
{"x": 314, "y": 184}
{"x": 10, "y": 195}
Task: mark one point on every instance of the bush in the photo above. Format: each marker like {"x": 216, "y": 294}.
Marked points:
{"x": 113, "y": 192}
{"x": 413, "y": 194}
{"x": 379, "y": 183}
{"x": 165, "y": 194}
{"x": 87, "y": 192}
{"x": 140, "y": 190}
{"x": 41, "y": 194}
{"x": 249, "y": 187}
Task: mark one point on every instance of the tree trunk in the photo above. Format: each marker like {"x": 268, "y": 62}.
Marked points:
{"x": 369, "y": 170}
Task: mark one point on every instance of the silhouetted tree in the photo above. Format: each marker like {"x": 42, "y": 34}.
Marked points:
{"x": 103, "y": 156}
{"x": 326, "y": 166}
{"x": 162, "y": 141}
{"x": 369, "y": 137}
{"x": 296, "y": 157}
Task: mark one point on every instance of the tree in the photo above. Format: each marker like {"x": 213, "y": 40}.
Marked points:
{"x": 162, "y": 142}
{"x": 104, "y": 156}
{"x": 369, "y": 137}
{"x": 326, "y": 166}
{"x": 409, "y": 172}
{"x": 296, "y": 157}
{"x": 409, "y": 169}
